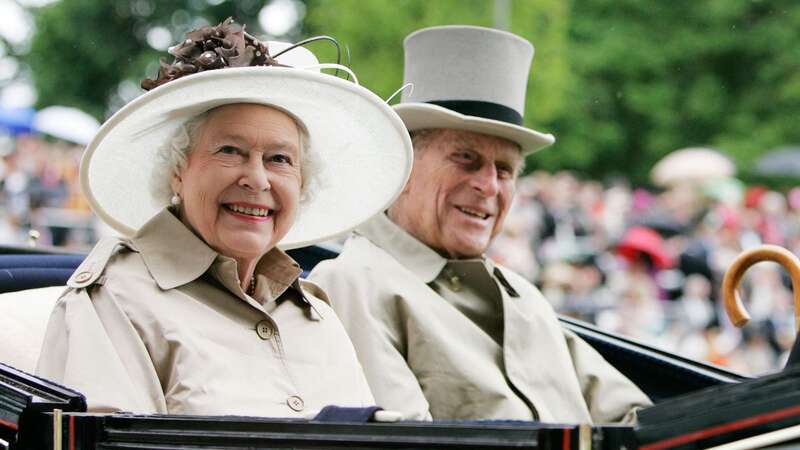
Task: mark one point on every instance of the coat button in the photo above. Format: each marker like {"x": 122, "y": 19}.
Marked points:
{"x": 455, "y": 283}
{"x": 83, "y": 276}
{"x": 296, "y": 403}
{"x": 264, "y": 330}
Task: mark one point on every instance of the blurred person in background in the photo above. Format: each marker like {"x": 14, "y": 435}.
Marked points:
{"x": 703, "y": 235}
{"x": 41, "y": 193}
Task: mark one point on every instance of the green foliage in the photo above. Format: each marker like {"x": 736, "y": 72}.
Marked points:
{"x": 619, "y": 82}
{"x": 79, "y": 65}
{"x": 374, "y": 32}
{"x": 84, "y": 49}
{"x": 656, "y": 76}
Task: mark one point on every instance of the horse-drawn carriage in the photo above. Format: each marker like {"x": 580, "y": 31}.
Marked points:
{"x": 697, "y": 405}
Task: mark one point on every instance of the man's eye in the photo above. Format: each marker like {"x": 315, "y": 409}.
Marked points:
{"x": 464, "y": 156}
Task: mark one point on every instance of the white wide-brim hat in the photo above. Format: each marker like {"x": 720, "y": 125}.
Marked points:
{"x": 362, "y": 145}
{"x": 469, "y": 78}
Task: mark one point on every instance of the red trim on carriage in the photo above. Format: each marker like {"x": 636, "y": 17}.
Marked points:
{"x": 8, "y": 424}
{"x": 71, "y": 432}
{"x": 724, "y": 428}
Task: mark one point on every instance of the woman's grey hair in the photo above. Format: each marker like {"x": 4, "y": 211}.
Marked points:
{"x": 172, "y": 157}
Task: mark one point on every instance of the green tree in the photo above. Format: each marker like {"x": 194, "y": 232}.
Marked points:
{"x": 84, "y": 49}
{"x": 374, "y": 32}
{"x": 651, "y": 77}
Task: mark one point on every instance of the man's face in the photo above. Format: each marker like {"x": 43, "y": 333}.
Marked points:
{"x": 459, "y": 191}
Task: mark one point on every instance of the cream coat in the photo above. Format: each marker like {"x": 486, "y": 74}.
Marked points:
{"x": 464, "y": 339}
{"x": 159, "y": 324}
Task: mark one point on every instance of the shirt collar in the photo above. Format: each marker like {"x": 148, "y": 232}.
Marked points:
{"x": 174, "y": 255}
{"x": 417, "y": 257}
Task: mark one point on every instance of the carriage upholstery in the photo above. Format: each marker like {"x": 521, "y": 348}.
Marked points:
{"x": 30, "y": 285}
{"x": 18, "y": 272}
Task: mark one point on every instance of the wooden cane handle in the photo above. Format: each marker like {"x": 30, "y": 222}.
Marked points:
{"x": 730, "y": 283}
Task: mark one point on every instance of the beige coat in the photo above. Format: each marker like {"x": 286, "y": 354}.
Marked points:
{"x": 464, "y": 339}
{"x": 159, "y": 324}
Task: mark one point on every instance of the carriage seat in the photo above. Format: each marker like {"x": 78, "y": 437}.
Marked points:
{"x": 29, "y": 271}
{"x": 23, "y": 321}
{"x": 30, "y": 285}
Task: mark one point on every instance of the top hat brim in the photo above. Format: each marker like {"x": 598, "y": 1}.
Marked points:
{"x": 419, "y": 116}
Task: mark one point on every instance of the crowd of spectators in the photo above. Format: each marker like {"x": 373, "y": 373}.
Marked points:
{"x": 40, "y": 199}
{"x": 641, "y": 262}
{"x": 649, "y": 263}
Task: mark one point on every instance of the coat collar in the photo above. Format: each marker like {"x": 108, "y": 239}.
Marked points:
{"x": 417, "y": 257}
{"x": 174, "y": 255}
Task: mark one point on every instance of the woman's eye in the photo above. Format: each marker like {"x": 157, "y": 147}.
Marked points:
{"x": 228, "y": 150}
{"x": 279, "y": 158}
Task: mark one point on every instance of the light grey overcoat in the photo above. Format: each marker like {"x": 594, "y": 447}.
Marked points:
{"x": 464, "y": 339}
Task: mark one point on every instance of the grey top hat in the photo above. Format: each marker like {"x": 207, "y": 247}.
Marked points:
{"x": 469, "y": 78}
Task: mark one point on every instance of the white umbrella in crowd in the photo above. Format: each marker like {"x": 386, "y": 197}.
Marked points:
{"x": 69, "y": 124}
{"x": 692, "y": 165}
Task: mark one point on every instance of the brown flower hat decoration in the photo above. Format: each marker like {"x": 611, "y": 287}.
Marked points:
{"x": 209, "y": 48}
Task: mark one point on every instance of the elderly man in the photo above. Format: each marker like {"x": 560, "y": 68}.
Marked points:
{"x": 442, "y": 331}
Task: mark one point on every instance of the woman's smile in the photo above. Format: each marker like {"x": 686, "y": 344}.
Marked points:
{"x": 249, "y": 212}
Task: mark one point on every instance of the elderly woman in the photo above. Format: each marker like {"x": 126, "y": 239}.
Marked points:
{"x": 196, "y": 310}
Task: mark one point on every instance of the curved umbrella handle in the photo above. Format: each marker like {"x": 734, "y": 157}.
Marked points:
{"x": 733, "y": 303}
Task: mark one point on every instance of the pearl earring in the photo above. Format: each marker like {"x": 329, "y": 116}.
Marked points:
{"x": 175, "y": 200}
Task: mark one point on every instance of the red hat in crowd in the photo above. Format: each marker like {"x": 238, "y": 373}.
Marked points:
{"x": 753, "y": 195}
{"x": 643, "y": 240}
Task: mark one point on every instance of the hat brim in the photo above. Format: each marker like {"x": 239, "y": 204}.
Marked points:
{"x": 418, "y": 116}
{"x": 363, "y": 146}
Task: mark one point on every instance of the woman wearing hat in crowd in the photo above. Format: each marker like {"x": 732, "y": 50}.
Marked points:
{"x": 196, "y": 310}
